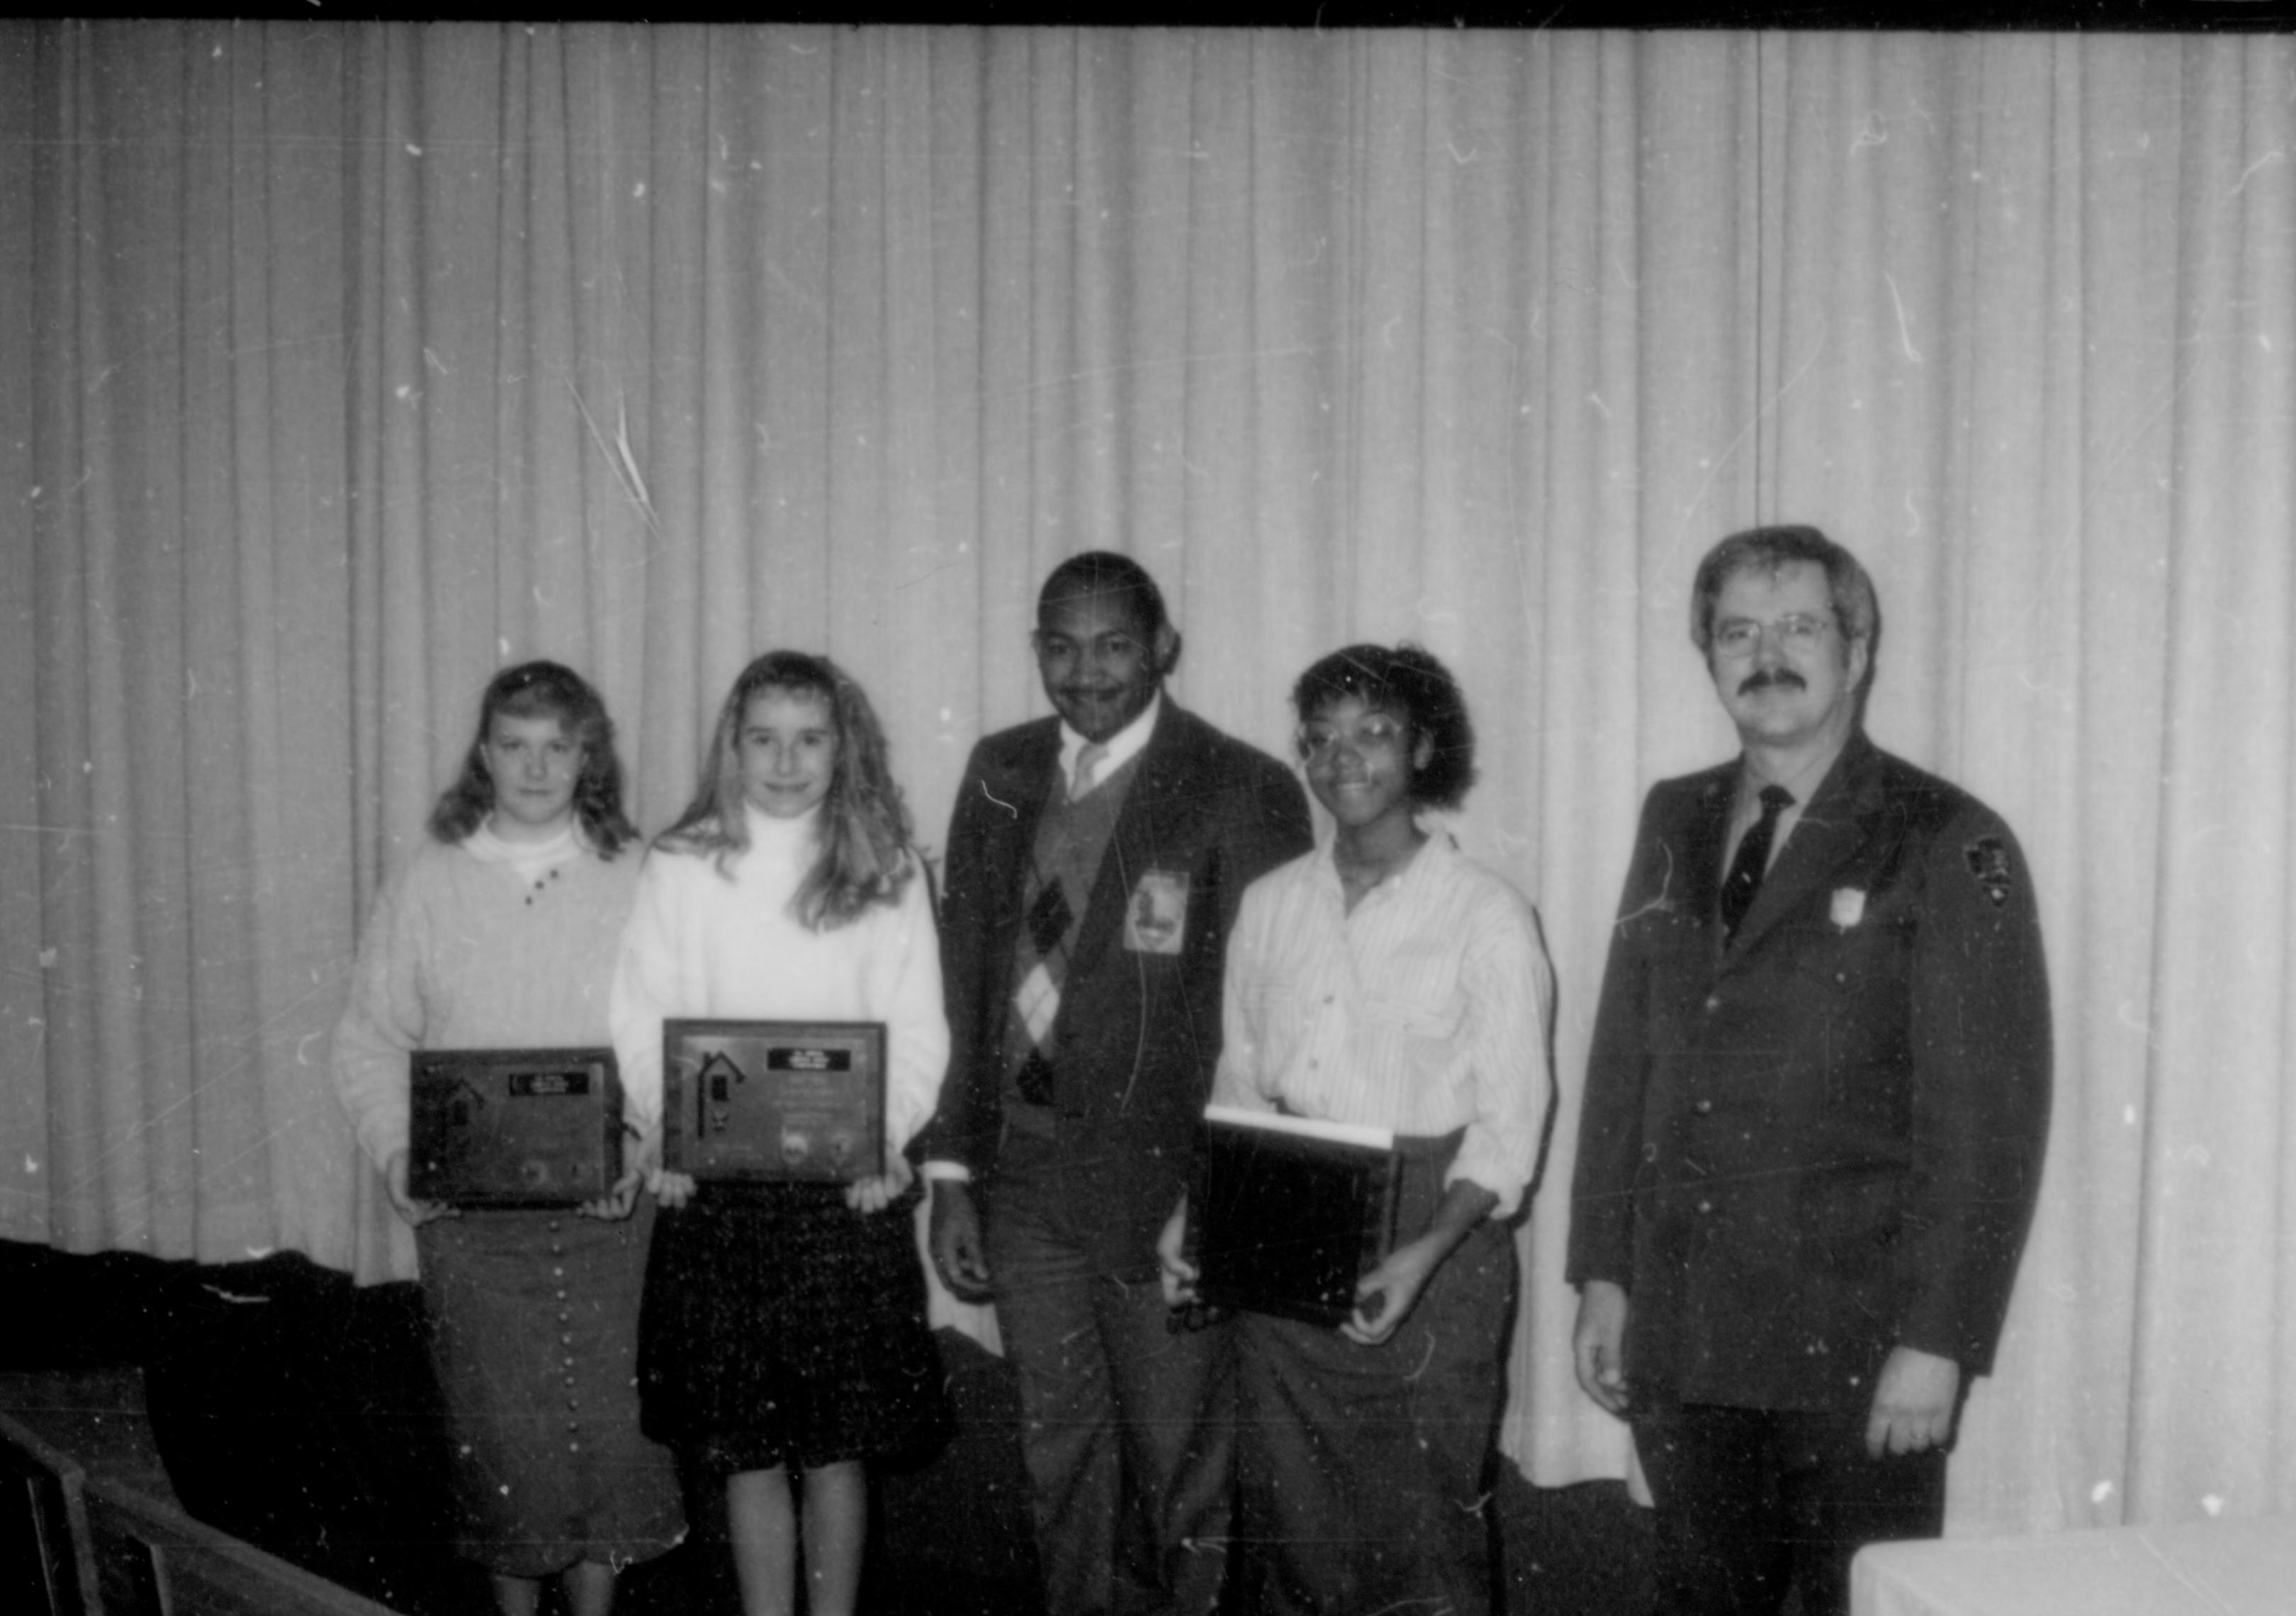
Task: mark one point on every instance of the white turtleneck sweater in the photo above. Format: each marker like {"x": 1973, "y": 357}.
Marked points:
{"x": 706, "y": 941}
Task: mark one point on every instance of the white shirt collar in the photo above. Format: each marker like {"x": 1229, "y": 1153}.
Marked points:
{"x": 1440, "y": 847}
{"x": 1123, "y": 746}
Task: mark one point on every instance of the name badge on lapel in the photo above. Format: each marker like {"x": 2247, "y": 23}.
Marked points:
{"x": 1157, "y": 917}
{"x": 1849, "y": 906}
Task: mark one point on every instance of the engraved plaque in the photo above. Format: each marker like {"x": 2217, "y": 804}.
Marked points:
{"x": 774, "y": 1102}
{"x": 513, "y": 1127}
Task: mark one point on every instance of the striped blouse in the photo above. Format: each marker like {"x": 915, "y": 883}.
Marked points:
{"x": 1425, "y": 1011}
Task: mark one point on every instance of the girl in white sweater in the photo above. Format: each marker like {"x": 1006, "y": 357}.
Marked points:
{"x": 784, "y": 1330}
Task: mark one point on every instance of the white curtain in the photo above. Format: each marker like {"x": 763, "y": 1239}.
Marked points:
{"x": 353, "y": 362}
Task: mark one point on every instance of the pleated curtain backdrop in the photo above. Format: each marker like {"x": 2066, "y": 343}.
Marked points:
{"x": 351, "y": 363}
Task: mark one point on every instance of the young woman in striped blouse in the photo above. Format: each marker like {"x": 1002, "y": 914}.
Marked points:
{"x": 1387, "y": 979}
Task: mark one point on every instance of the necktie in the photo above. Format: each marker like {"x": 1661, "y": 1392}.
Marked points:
{"x": 1745, "y": 876}
{"x": 1087, "y": 766}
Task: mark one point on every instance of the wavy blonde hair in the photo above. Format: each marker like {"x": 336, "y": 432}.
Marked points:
{"x": 865, "y": 857}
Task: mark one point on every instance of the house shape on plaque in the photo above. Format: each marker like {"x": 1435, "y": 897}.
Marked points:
{"x": 717, "y": 1089}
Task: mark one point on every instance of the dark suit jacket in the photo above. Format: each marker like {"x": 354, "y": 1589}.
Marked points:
{"x": 1823, "y": 1140}
{"x": 1138, "y": 1031}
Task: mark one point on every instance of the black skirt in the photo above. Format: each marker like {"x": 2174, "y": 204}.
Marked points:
{"x": 781, "y": 1327}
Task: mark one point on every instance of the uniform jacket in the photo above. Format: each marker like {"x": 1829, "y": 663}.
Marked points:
{"x": 1824, "y": 1139}
{"x": 1138, "y": 1031}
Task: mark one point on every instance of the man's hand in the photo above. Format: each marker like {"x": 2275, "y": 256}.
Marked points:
{"x": 956, "y": 1250}
{"x": 1912, "y": 1403}
{"x": 876, "y": 1194}
{"x": 1598, "y": 1343}
{"x": 1178, "y": 1275}
{"x": 673, "y": 1190}
{"x": 413, "y": 1212}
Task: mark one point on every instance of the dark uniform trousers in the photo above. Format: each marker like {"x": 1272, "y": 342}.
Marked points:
{"x": 1750, "y": 1500}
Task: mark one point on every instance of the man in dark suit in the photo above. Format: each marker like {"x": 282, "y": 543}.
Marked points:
{"x": 1094, "y": 863}
{"x": 1815, "y": 1112}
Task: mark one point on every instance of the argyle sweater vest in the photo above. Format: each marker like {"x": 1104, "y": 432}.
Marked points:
{"x": 1064, "y": 864}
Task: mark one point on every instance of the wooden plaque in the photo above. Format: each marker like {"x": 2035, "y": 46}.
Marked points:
{"x": 513, "y": 1127}
{"x": 774, "y": 1102}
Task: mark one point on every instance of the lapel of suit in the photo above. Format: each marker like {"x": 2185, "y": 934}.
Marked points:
{"x": 1828, "y": 835}
{"x": 1161, "y": 776}
{"x": 1705, "y": 827}
{"x": 1025, "y": 786}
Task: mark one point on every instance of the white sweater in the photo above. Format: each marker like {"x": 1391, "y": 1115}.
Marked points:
{"x": 703, "y": 941}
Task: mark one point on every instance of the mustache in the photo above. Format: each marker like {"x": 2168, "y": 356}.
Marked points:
{"x": 1763, "y": 678}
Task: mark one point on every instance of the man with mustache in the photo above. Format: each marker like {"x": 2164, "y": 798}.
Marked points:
{"x": 1815, "y": 1112}
{"x": 1095, "y": 861}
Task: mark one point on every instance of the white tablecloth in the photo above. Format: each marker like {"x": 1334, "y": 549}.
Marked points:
{"x": 2210, "y": 1568}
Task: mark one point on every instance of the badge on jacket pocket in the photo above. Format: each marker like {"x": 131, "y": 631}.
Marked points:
{"x": 1157, "y": 917}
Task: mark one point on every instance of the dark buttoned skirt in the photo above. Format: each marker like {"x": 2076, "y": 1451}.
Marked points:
{"x": 534, "y": 1334}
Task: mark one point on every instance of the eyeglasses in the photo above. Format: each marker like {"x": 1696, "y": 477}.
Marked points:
{"x": 1796, "y": 631}
{"x": 1378, "y": 733}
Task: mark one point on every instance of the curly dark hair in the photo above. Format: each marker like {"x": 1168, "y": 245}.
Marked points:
{"x": 536, "y": 690}
{"x": 865, "y": 824}
{"x": 1410, "y": 682}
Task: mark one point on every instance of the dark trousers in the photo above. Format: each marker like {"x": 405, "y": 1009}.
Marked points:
{"x": 1127, "y": 1428}
{"x": 1752, "y": 1501}
{"x": 1361, "y": 1470}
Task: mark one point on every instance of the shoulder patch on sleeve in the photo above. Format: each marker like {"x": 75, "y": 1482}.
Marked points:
{"x": 1988, "y": 862}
